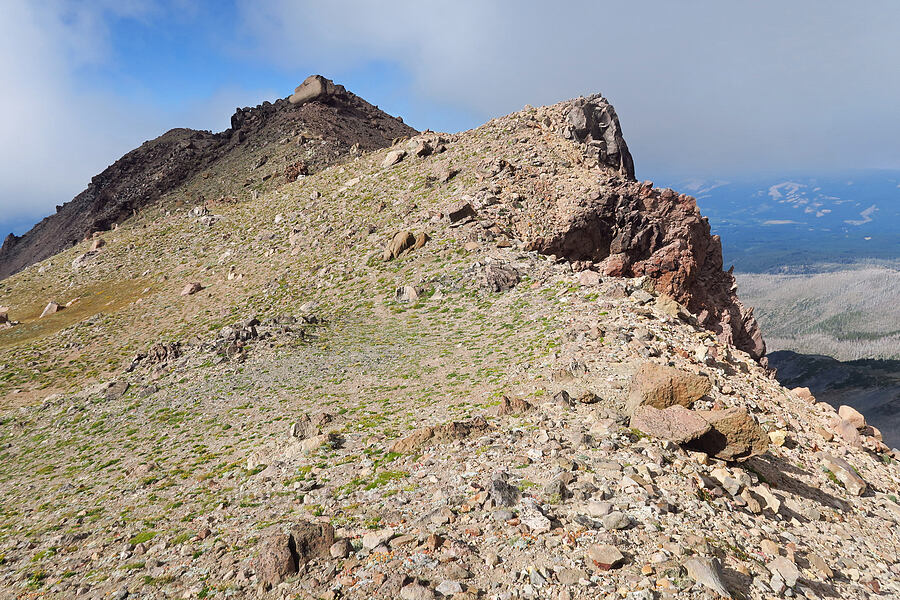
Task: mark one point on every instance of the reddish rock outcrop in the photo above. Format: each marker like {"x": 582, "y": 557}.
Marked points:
{"x": 632, "y": 229}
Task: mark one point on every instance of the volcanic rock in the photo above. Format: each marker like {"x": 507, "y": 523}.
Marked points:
{"x": 735, "y": 435}
{"x": 660, "y": 387}
{"x": 675, "y": 423}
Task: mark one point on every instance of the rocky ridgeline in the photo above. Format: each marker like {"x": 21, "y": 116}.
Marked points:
{"x": 515, "y": 372}
{"x": 159, "y": 166}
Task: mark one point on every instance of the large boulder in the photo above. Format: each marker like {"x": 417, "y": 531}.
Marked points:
{"x": 675, "y": 423}
{"x": 400, "y": 243}
{"x": 50, "y": 309}
{"x": 660, "y": 387}
{"x": 314, "y": 87}
{"x": 281, "y": 554}
{"x": 445, "y": 432}
{"x": 734, "y": 435}
{"x": 275, "y": 561}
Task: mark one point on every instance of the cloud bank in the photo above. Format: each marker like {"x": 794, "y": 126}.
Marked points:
{"x": 702, "y": 87}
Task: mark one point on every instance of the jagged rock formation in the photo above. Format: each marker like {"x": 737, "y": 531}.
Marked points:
{"x": 158, "y": 166}
{"x": 632, "y": 229}
{"x": 594, "y": 122}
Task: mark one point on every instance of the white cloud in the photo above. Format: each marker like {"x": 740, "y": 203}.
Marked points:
{"x": 700, "y": 86}
{"x": 58, "y": 130}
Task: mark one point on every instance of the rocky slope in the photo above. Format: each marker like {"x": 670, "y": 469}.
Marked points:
{"x": 337, "y": 118}
{"x": 481, "y": 365}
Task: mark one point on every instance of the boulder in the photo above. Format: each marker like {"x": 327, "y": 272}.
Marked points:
{"x": 803, "y": 393}
{"x": 459, "y": 211}
{"x": 675, "y": 423}
{"x": 707, "y": 572}
{"x": 312, "y": 540}
{"x": 96, "y": 244}
{"x": 661, "y": 386}
{"x": 734, "y": 435}
{"x": 513, "y": 406}
{"x": 850, "y": 414}
{"x": 191, "y": 288}
{"x": 593, "y": 122}
{"x": 605, "y": 556}
{"x": 275, "y": 561}
{"x": 440, "y": 433}
{"x": 400, "y": 243}
{"x": 51, "y": 308}
{"x": 844, "y": 473}
{"x": 314, "y": 87}
{"x": 500, "y": 277}
{"x": 4, "y": 314}
{"x": 392, "y": 158}
{"x": 406, "y": 293}
{"x": 282, "y": 554}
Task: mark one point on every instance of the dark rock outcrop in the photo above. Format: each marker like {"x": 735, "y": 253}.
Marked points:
{"x": 593, "y": 122}
{"x": 138, "y": 179}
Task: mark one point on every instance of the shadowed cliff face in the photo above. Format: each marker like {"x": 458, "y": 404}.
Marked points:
{"x": 335, "y": 118}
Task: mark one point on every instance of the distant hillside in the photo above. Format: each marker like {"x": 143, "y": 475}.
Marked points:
{"x": 848, "y": 314}
{"x": 793, "y": 223}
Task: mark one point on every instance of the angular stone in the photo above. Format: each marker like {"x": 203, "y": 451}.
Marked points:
{"x": 440, "y": 433}
{"x": 675, "y": 423}
{"x": 400, "y": 243}
{"x": 533, "y": 517}
{"x": 845, "y": 473}
{"x": 616, "y": 520}
{"x": 661, "y": 386}
{"x": 513, "y": 406}
{"x": 373, "y": 539}
{"x": 460, "y": 210}
{"x": 312, "y": 540}
{"x": 785, "y": 569}
{"x": 416, "y": 591}
{"x": 804, "y": 394}
{"x": 50, "y": 309}
{"x": 314, "y": 87}
{"x": 392, "y": 158}
{"x": 502, "y": 492}
{"x": 276, "y": 560}
{"x": 735, "y": 435}
{"x": 191, "y": 288}
{"x": 340, "y": 549}
{"x": 707, "y": 572}
{"x": 848, "y": 413}
{"x": 407, "y": 293}
{"x": 848, "y": 432}
{"x": 605, "y": 556}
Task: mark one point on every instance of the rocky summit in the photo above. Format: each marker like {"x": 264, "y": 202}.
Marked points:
{"x": 322, "y": 355}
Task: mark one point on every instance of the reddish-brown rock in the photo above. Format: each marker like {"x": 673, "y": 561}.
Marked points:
{"x": 633, "y": 229}
{"x": 660, "y": 387}
{"x": 734, "y": 435}
{"x": 675, "y": 424}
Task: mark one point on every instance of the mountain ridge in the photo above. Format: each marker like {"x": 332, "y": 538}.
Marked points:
{"x": 450, "y": 367}
{"x": 157, "y": 166}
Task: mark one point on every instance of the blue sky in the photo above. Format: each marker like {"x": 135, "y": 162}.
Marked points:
{"x": 703, "y": 88}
